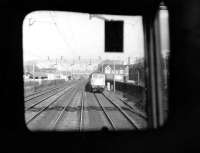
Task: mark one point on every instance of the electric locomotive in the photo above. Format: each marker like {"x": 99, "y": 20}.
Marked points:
{"x": 97, "y": 82}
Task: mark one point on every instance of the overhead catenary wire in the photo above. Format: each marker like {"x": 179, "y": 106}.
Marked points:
{"x": 60, "y": 32}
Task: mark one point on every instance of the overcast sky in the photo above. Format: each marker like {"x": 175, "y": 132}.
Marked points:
{"x": 68, "y": 34}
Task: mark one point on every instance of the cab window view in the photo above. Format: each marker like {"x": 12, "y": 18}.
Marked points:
{"x": 87, "y": 71}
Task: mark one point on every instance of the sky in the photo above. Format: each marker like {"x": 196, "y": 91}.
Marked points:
{"x": 70, "y": 35}
{"x": 54, "y": 34}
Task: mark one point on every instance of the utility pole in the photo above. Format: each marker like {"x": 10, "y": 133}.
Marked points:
{"x": 33, "y": 72}
{"x": 73, "y": 68}
{"x": 114, "y": 77}
{"x": 72, "y": 72}
{"x": 90, "y": 62}
{"x": 61, "y": 68}
{"x": 129, "y": 60}
{"x": 128, "y": 65}
{"x": 34, "y": 76}
{"x": 102, "y": 67}
{"x": 138, "y": 77}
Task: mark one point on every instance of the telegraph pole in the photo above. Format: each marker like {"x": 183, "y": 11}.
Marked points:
{"x": 34, "y": 76}
{"x": 33, "y": 72}
{"x": 102, "y": 67}
{"x": 114, "y": 77}
{"x": 138, "y": 76}
{"x": 129, "y": 60}
{"x": 128, "y": 65}
{"x": 90, "y": 62}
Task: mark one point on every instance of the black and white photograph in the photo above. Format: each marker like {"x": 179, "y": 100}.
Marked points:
{"x": 87, "y": 71}
{"x": 100, "y": 76}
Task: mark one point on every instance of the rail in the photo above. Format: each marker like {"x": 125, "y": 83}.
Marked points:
{"x": 40, "y": 101}
{"x": 134, "y": 124}
{"x": 46, "y": 107}
{"x": 65, "y": 107}
{"x": 107, "y": 116}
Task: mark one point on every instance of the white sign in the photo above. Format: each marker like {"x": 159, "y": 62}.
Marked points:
{"x": 107, "y": 69}
{"x": 119, "y": 78}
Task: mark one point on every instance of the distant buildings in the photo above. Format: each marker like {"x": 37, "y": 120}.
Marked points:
{"x": 113, "y": 68}
{"x": 74, "y": 69}
{"x": 50, "y": 69}
{"x": 133, "y": 73}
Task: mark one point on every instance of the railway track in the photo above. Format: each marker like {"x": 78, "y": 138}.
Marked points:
{"x": 66, "y": 108}
{"x": 61, "y": 114}
{"x": 44, "y": 91}
{"x": 34, "y": 103}
{"x": 131, "y": 108}
{"x": 47, "y": 106}
{"x": 39, "y": 93}
{"x": 123, "y": 113}
{"x": 81, "y": 126}
{"x": 76, "y": 104}
{"x": 69, "y": 110}
{"x": 104, "y": 111}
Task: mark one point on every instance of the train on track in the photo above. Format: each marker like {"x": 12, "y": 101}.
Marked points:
{"x": 97, "y": 81}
